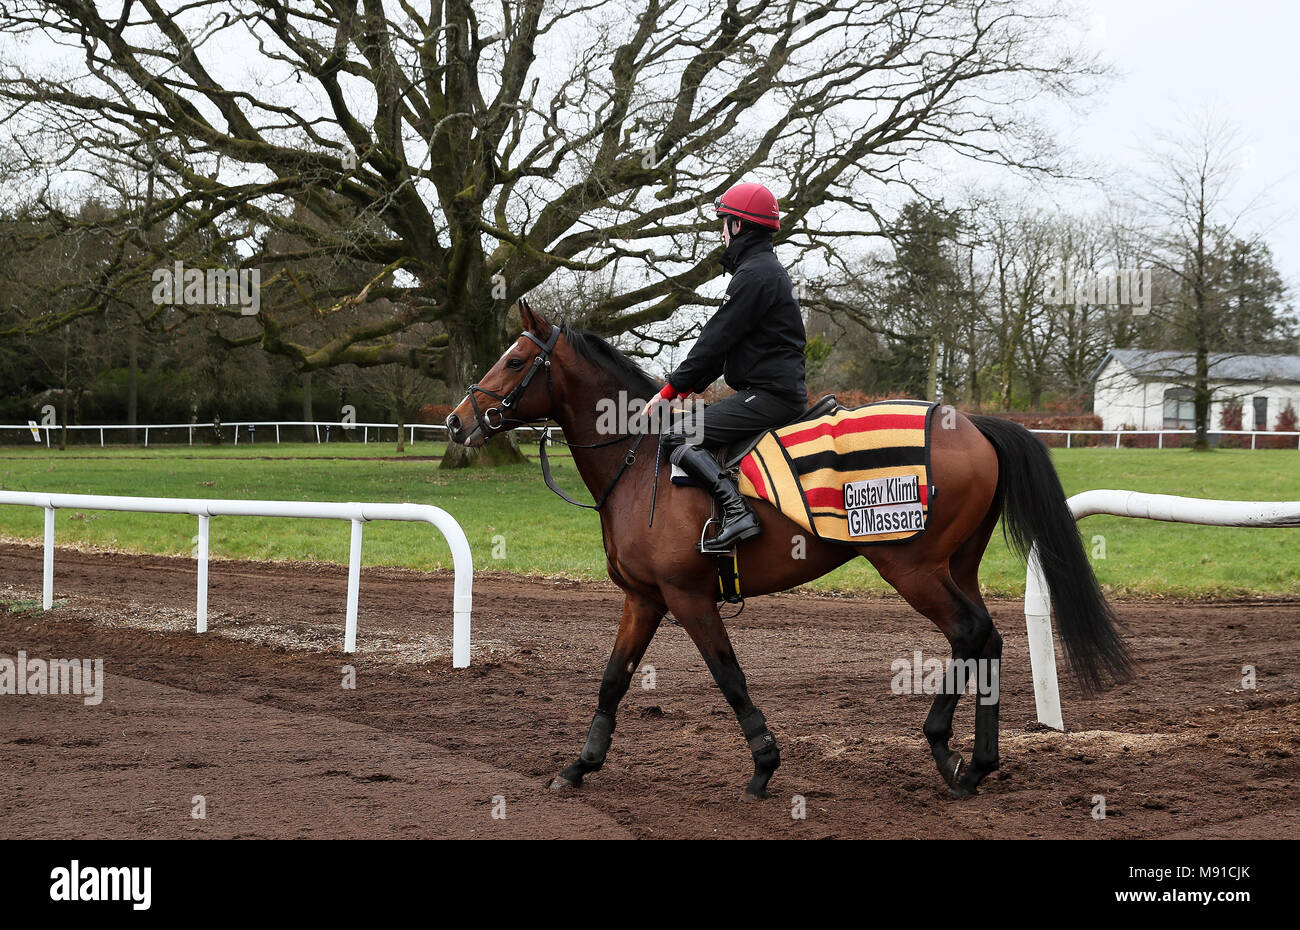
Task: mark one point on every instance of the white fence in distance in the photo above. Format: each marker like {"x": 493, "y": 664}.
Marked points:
{"x": 357, "y": 514}
{"x": 1164, "y": 507}
{"x": 1160, "y": 434}
{"x": 1114, "y": 438}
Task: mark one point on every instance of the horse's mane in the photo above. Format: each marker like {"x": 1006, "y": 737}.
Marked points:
{"x": 600, "y": 353}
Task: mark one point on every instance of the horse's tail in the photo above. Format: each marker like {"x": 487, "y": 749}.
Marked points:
{"x": 1034, "y": 511}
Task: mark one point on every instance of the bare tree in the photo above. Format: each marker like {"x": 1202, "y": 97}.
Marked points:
{"x": 471, "y": 151}
{"x": 1020, "y": 244}
{"x": 1188, "y": 191}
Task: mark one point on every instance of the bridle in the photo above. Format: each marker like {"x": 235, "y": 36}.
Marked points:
{"x": 508, "y": 402}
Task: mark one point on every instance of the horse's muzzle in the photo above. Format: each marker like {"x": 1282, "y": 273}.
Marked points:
{"x": 456, "y": 432}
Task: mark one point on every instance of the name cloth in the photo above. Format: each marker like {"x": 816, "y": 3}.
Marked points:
{"x": 856, "y": 476}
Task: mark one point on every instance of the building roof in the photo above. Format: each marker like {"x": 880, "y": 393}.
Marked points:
{"x": 1164, "y": 365}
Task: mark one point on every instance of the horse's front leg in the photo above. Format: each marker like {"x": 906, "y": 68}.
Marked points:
{"x": 698, "y": 615}
{"x": 635, "y": 630}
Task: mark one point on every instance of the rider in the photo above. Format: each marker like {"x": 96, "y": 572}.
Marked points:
{"x": 756, "y": 340}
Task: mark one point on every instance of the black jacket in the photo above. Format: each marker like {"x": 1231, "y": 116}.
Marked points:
{"x": 756, "y": 338}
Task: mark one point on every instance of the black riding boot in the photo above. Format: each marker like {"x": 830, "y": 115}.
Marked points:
{"x": 738, "y": 521}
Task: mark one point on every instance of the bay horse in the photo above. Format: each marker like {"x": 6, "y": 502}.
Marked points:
{"x": 981, "y": 467}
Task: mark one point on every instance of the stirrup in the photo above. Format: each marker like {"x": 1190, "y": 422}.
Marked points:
{"x": 703, "y": 547}
{"x": 708, "y": 546}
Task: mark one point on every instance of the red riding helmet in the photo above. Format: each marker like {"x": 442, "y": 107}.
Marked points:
{"x": 752, "y": 202}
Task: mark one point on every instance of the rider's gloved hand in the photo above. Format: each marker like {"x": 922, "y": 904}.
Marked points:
{"x": 668, "y": 393}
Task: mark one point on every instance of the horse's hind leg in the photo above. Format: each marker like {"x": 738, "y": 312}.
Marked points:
{"x": 635, "y": 630}
{"x": 698, "y": 615}
{"x": 936, "y": 595}
{"x": 965, "y": 564}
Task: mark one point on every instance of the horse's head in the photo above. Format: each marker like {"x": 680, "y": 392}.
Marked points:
{"x": 515, "y": 391}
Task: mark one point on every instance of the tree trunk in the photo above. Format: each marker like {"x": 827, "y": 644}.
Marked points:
{"x": 1201, "y": 395}
{"x": 308, "y": 432}
{"x": 972, "y": 370}
{"x": 477, "y": 339}
{"x": 401, "y": 434}
{"x": 133, "y": 380}
{"x": 63, "y": 396}
{"x": 932, "y": 375}
{"x": 1201, "y": 384}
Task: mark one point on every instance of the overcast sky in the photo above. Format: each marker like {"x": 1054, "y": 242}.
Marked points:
{"x": 1181, "y": 55}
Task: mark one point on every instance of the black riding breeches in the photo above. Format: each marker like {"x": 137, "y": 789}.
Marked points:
{"x": 739, "y": 416}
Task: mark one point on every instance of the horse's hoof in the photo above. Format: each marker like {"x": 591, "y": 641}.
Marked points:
{"x": 750, "y": 795}
{"x": 952, "y": 769}
{"x": 559, "y": 783}
{"x": 960, "y": 790}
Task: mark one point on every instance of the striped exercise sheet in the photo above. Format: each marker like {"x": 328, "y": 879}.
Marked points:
{"x": 857, "y": 476}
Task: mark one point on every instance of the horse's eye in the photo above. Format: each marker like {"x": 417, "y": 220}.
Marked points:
{"x": 515, "y": 364}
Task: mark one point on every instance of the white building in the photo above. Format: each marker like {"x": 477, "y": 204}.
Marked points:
{"x": 1143, "y": 389}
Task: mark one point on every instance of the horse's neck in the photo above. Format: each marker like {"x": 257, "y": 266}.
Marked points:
{"x": 578, "y": 417}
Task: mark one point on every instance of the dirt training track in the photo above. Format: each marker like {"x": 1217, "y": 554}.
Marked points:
{"x": 253, "y": 716}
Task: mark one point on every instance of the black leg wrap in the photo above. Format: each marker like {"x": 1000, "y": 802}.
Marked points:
{"x": 762, "y": 744}
{"x": 757, "y": 735}
{"x": 598, "y": 739}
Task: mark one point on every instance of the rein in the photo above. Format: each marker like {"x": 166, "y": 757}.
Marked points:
{"x": 508, "y": 402}
{"x": 627, "y": 462}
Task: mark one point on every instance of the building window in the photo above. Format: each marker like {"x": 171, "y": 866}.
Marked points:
{"x": 1180, "y": 409}
{"x": 1261, "y": 413}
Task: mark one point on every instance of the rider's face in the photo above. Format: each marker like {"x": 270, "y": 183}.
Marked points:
{"x": 726, "y": 230}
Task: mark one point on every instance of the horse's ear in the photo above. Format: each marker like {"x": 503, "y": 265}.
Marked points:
{"x": 533, "y": 321}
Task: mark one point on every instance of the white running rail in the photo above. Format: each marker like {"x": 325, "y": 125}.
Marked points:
{"x": 358, "y": 514}
{"x": 249, "y": 427}
{"x": 1166, "y": 507}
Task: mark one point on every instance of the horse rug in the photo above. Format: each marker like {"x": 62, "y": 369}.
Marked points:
{"x": 856, "y": 476}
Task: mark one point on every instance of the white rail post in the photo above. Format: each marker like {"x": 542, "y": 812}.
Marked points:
{"x": 47, "y": 586}
{"x": 201, "y": 607}
{"x": 1042, "y": 652}
{"x": 354, "y": 588}
{"x": 461, "y": 602}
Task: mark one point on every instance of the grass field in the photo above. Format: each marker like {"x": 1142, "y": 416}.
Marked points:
{"x": 515, "y": 524}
